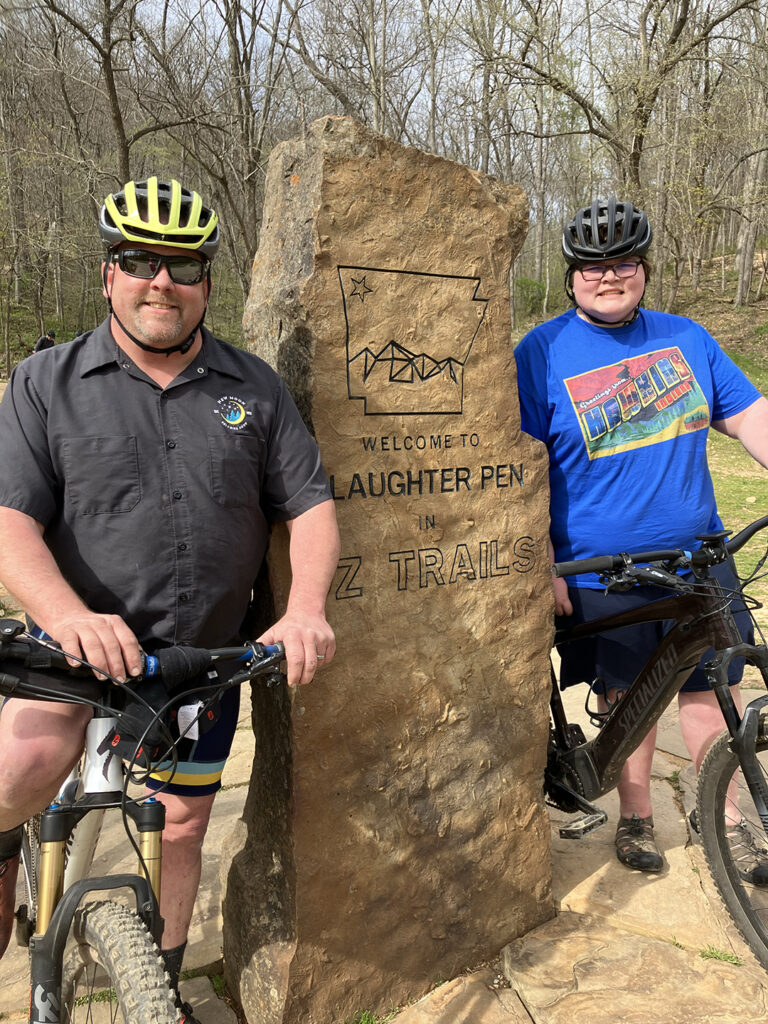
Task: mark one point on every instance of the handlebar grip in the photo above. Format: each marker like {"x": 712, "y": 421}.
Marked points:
{"x": 602, "y": 563}
{"x": 737, "y": 542}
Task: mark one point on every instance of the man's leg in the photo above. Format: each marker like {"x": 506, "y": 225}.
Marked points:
{"x": 39, "y": 744}
{"x": 186, "y": 822}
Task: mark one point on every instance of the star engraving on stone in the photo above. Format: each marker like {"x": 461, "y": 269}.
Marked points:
{"x": 361, "y": 289}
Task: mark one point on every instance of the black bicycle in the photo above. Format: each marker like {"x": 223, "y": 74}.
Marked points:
{"x": 98, "y": 959}
{"x": 732, "y": 792}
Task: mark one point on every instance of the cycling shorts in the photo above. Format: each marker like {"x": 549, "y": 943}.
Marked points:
{"x": 610, "y": 661}
{"x": 201, "y": 762}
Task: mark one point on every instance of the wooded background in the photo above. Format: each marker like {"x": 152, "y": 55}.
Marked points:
{"x": 664, "y": 102}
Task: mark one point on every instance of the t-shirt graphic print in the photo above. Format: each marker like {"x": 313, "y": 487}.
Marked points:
{"x": 637, "y": 402}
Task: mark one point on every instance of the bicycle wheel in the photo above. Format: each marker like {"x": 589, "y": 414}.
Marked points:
{"x": 114, "y": 973}
{"x": 734, "y": 840}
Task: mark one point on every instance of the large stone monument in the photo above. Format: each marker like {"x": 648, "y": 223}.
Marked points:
{"x": 395, "y": 832}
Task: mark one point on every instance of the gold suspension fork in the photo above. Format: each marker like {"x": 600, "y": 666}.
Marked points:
{"x": 151, "y": 859}
{"x": 150, "y": 819}
{"x": 50, "y": 883}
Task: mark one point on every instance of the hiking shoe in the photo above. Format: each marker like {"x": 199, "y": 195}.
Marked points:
{"x": 9, "y": 869}
{"x": 749, "y": 853}
{"x": 635, "y": 845}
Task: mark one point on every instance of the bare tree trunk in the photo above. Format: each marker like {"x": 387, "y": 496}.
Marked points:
{"x": 745, "y": 251}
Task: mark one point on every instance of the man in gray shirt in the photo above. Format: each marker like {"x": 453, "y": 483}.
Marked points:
{"x": 140, "y": 468}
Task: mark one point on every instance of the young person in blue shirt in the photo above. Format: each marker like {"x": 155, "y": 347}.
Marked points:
{"x": 623, "y": 398}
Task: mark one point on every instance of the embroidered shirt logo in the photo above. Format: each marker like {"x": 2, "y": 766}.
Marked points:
{"x": 232, "y": 412}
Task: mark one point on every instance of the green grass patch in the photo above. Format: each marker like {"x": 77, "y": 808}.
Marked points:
{"x": 713, "y": 953}
{"x": 674, "y": 781}
{"x": 108, "y": 995}
{"x": 368, "y": 1017}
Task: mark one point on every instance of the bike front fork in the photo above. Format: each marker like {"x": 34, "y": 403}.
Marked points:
{"x": 56, "y": 906}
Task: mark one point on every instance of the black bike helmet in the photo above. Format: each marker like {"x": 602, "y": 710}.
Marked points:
{"x": 606, "y": 230}
{"x": 161, "y": 213}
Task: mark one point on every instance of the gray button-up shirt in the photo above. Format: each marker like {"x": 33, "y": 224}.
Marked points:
{"x": 157, "y": 502}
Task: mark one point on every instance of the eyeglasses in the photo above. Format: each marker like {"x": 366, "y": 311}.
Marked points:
{"x": 598, "y": 272}
{"x": 144, "y": 264}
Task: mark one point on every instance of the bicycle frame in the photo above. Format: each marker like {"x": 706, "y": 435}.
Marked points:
{"x": 702, "y": 620}
{"x": 74, "y": 819}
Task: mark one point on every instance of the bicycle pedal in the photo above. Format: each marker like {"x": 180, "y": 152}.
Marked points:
{"x": 582, "y": 826}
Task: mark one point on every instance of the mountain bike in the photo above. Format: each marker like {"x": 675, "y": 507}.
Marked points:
{"x": 732, "y": 789}
{"x": 98, "y": 960}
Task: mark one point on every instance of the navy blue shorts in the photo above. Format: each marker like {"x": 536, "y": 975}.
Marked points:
{"x": 201, "y": 762}
{"x": 612, "y": 660}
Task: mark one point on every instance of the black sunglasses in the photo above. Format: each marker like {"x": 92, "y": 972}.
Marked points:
{"x": 144, "y": 264}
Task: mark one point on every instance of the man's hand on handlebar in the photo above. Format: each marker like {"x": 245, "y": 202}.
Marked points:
{"x": 104, "y": 641}
{"x": 309, "y": 643}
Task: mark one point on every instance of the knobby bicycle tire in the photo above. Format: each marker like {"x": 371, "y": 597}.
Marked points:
{"x": 746, "y": 901}
{"x": 114, "y": 972}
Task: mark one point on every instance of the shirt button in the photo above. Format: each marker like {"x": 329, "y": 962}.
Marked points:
{"x": 182, "y": 547}
{"x": 171, "y": 444}
{"x": 183, "y": 597}
{"x": 177, "y": 495}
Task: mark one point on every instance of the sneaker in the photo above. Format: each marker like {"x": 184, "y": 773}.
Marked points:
{"x": 9, "y": 869}
{"x": 749, "y": 854}
{"x": 635, "y": 845}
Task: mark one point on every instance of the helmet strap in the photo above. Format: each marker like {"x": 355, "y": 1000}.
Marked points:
{"x": 611, "y": 323}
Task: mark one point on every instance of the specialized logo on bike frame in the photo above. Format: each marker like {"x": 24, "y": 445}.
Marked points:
{"x": 232, "y": 412}
{"x": 638, "y": 402}
{"x": 409, "y": 336}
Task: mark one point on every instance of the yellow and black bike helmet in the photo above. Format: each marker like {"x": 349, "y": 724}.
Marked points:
{"x": 161, "y": 213}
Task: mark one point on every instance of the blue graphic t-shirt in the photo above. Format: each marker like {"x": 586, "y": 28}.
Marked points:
{"x": 625, "y": 414}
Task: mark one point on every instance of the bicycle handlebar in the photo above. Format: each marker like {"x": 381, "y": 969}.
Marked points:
{"x": 715, "y": 549}
{"x": 45, "y": 674}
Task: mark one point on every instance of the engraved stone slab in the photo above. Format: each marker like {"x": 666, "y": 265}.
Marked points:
{"x": 397, "y": 835}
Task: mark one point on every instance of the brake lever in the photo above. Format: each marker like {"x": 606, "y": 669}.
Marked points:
{"x": 630, "y": 575}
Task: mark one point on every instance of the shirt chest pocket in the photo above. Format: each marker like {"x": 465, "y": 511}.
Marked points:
{"x": 101, "y": 474}
{"x": 236, "y": 465}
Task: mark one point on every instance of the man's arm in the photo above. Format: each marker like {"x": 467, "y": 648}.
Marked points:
{"x": 750, "y": 426}
{"x": 30, "y": 573}
{"x": 314, "y": 554}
